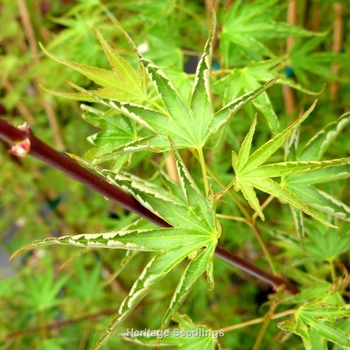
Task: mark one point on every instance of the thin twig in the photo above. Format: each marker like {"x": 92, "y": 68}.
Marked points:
{"x": 257, "y": 320}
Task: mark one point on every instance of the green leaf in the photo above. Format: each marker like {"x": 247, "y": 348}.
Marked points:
{"x": 299, "y": 224}
{"x": 251, "y": 174}
{"x": 322, "y": 201}
{"x": 275, "y": 189}
{"x": 194, "y": 269}
{"x": 248, "y": 26}
{"x": 326, "y": 245}
{"x": 247, "y": 79}
{"x": 305, "y": 59}
{"x": 194, "y": 235}
{"x": 250, "y": 195}
{"x": 222, "y": 116}
{"x": 270, "y": 147}
{"x": 128, "y": 77}
{"x": 42, "y": 292}
{"x": 293, "y": 168}
{"x": 186, "y": 336}
{"x": 244, "y": 151}
{"x": 188, "y": 126}
{"x": 175, "y": 106}
{"x": 191, "y": 126}
{"x": 112, "y": 94}
{"x": 119, "y": 131}
{"x": 318, "y": 144}
{"x": 201, "y": 109}
{"x": 312, "y": 321}
{"x": 107, "y": 79}
{"x": 320, "y": 176}
{"x": 117, "y": 84}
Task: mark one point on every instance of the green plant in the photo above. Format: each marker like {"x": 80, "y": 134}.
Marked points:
{"x": 149, "y": 122}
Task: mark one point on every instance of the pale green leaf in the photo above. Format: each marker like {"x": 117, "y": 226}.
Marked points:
{"x": 293, "y": 168}
{"x": 316, "y": 147}
{"x": 118, "y": 132}
{"x": 264, "y": 105}
{"x": 107, "y": 79}
{"x": 244, "y": 151}
{"x": 322, "y": 201}
{"x": 331, "y": 333}
{"x": 172, "y": 101}
{"x": 299, "y": 223}
{"x": 291, "y": 146}
{"x": 320, "y": 176}
{"x": 314, "y": 341}
{"x": 111, "y": 94}
{"x": 250, "y": 195}
{"x": 158, "y": 239}
{"x": 172, "y": 209}
{"x": 186, "y": 335}
{"x": 161, "y": 124}
{"x": 275, "y": 189}
{"x": 291, "y": 83}
{"x": 234, "y": 159}
{"x": 314, "y": 319}
{"x": 270, "y": 147}
{"x": 194, "y": 270}
{"x": 201, "y": 109}
{"x": 129, "y": 79}
{"x": 222, "y": 116}
{"x": 154, "y": 272}
{"x": 194, "y": 198}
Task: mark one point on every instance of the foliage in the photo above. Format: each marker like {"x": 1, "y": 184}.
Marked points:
{"x": 191, "y": 149}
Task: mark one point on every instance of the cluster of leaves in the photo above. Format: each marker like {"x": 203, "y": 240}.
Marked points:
{"x": 148, "y": 119}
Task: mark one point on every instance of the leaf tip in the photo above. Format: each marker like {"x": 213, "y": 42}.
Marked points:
{"x": 16, "y": 253}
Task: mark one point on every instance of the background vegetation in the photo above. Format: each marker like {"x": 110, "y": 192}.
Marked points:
{"x": 57, "y": 297}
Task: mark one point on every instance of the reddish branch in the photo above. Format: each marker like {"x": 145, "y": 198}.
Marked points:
{"x": 23, "y": 141}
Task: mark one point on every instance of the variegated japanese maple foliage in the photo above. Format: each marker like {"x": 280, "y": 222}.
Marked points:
{"x": 175, "y": 124}
{"x": 298, "y": 174}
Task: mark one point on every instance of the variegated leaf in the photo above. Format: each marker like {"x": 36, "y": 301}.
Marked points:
{"x": 195, "y": 268}
{"x": 275, "y": 189}
{"x": 193, "y": 235}
{"x": 299, "y": 224}
{"x": 154, "y": 272}
{"x": 250, "y": 195}
{"x": 222, "y": 116}
{"x": 196, "y": 122}
{"x": 312, "y": 322}
{"x": 315, "y": 148}
{"x": 117, "y": 83}
{"x": 293, "y": 168}
{"x": 319, "y": 176}
{"x": 244, "y": 151}
{"x": 322, "y": 201}
{"x": 250, "y": 174}
{"x": 207, "y": 341}
{"x": 270, "y": 147}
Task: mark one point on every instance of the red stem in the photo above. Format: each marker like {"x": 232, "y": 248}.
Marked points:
{"x": 23, "y": 141}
